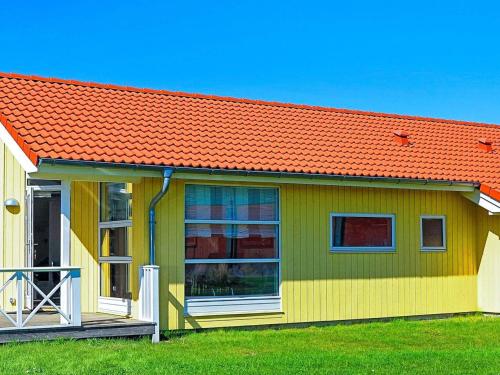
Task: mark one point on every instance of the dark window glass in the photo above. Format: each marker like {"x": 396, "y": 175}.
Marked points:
{"x": 222, "y": 241}
{"x": 432, "y": 232}
{"x": 116, "y": 202}
{"x": 231, "y": 203}
{"x": 248, "y": 279}
{"x": 362, "y": 231}
{"x": 114, "y": 241}
{"x": 115, "y": 280}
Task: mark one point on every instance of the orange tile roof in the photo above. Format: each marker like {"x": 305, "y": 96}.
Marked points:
{"x": 61, "y": 119}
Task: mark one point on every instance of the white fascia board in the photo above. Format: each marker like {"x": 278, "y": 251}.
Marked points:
{"x": 489, "y": 204}
{"x": 16, "y": 151}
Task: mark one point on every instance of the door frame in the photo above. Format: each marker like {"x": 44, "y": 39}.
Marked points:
{"x": 30, "y": 190}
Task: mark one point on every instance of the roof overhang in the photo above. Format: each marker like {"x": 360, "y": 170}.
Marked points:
{"x": 488, "y": 203}
{"x": 100, "y": 171}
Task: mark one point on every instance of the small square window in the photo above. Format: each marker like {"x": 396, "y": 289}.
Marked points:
{"x": 433, "y": 233}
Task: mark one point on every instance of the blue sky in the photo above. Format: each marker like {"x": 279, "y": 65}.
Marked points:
{"x": 429, "y": 58}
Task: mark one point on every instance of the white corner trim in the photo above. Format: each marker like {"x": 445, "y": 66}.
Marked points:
{"x": 16, "y": 150}
{"x": 484, "y": 201}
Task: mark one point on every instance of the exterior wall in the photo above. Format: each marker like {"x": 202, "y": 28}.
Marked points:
{"x": 317, "y": 285}
{"x": 320, "y": 286}
{"x": 84, "y": 238}
{"x": 12, "y": 236}
{"x": 488, "y": 244}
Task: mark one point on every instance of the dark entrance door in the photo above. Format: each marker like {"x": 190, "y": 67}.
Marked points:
{"x": 46, "y": 241}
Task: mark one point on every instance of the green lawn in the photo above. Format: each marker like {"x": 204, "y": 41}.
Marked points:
{"x": 468, "y": 345}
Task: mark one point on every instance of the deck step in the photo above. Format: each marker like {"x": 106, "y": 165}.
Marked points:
{"x": 93, "y": 326}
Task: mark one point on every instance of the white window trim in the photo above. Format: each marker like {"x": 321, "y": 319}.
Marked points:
{"x": 363, "y": 249}
{"x": 431, "y": 249}
{"x": 232, "y": 222}
{"x": 236, "y": 305}
{"x": 231, "y": 260}
{"x": 113, "y": 305}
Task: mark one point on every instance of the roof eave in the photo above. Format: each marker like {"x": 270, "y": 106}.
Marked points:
{"x": 201, "y": 173}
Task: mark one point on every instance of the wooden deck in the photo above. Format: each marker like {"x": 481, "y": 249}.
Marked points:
{"x": 41, "y": 327}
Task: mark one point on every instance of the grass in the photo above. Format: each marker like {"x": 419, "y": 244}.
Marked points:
{"x": 467, "y": 345}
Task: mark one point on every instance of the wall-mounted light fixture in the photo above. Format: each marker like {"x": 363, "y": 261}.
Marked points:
{"x": 12, "y": 205}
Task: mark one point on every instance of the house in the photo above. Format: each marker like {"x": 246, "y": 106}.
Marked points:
{"x": 198, "y": 211}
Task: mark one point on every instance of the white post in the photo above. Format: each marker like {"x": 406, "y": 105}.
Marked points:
{"x": 19, "y": 301}
{"x": 65, "y": 245}
{"x": 76, "y": 314}
{"x": 149, "y": 298}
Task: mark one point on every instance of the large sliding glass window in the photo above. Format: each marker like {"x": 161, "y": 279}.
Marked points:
{"x": 115, "y": 222}
{"x": 232, "y": 242}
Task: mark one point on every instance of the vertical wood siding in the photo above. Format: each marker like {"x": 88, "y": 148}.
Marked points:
{"x": 84, "y": 216}
{"x": 488, "y": 244}
{"x": 12, "y": 236}
{"x": 316, "y": 284}
{"x": 320, "y": 286}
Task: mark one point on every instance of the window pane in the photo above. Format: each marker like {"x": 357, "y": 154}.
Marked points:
{"x": 432, "y": 232}
{"x": 115, "y": 201}
{"x": 114, "y": 241}
{"x": 231, "y": 279}
{"x": 231, "y": 203}
{"x": 218, "y": 241}
{"x": 362, "y": 231}
{"x": 115, "y": 280}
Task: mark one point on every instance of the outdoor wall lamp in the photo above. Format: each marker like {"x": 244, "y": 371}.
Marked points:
{"x": 12, "y": 205}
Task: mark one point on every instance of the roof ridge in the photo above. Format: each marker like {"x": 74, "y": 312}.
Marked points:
{"x": 242, "y": 100}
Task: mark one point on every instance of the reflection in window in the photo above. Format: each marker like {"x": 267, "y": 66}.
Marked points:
{"x": 433, "y": 232}
{"x": 236, "y": 228}
{"x": 231, "y": 203}
{"x": 226, "y": 279}
{"x": 237, "y": 241}
{"x": 115, "y": 202}
{"x": 362, "y": 231}
{"x": 114, "y": 241}
{"x": 115, "y": 280}
{"x": 115, "y": 222}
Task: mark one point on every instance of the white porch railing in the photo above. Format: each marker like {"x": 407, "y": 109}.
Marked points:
{"x": 69, "y": 287}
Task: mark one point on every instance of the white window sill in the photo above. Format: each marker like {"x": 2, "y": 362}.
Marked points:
{"x": 433, "y": 249}
{"x": 360, "y": 250}
{"x": 203, "y": 306}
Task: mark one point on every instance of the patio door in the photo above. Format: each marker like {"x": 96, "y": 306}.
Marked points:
{"x": 44, "y": 237}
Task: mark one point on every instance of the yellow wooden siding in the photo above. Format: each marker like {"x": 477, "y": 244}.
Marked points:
{"x": 316, "y": 284}
{"x": 84, "y": 239}
{"x": 320, "y": 286}
{"x": 84, "y": 216}
{"x": 12, "y": 236}
{"x": 488, "y": 244}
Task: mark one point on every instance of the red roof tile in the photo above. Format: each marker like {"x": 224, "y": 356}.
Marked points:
{"x": 60, "y": 119}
